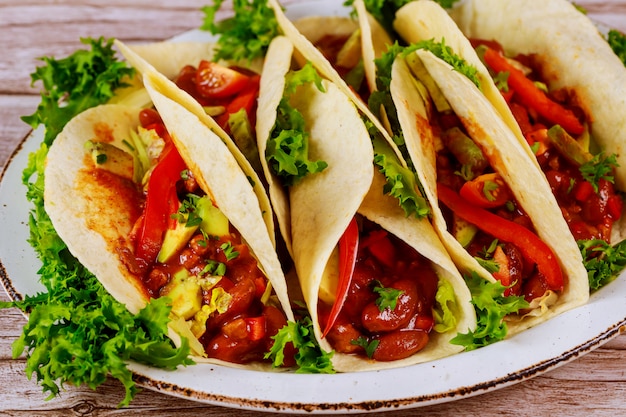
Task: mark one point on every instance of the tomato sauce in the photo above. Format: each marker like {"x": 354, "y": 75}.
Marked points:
{"x": 385, "y": 263}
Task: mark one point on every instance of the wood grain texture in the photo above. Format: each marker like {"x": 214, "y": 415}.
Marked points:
{"x": 593, "y": 385}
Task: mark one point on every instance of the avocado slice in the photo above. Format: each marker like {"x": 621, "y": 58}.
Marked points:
{"x": 463, "y": 231}
{"x": 174, "y": 240}
{"x": 421, "y": 73}
{"x": 214, "y": 222}
{"x": 186, "y": 294}
{"x": 111, "y": 158}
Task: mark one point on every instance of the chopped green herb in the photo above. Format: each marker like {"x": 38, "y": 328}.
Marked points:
{"x": 387, "y": 296}
{"x": 367, "y": 345}
{"x": 598, "y": 168}
{"x": 229, "y": 251}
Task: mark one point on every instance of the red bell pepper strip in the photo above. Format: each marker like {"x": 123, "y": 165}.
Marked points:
{"x": 348, "y": 248}
{"x": 532, "y": 96}
{"x": 246, "y": 99}
{"x": 533, "y": 248}
{"x": 161, "y": 203}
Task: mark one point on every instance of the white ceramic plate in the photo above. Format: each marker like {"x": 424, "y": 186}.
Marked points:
{"x": 537, "y": 350}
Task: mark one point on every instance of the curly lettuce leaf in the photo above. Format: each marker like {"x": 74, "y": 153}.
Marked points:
{"x": 82, "y": 80}
{"x": 446, "y": 309}
{"x": 287, "y": 151}
{"x": 401, "y": 182}
{"x": 247, "y": 34}
{"x": 617, "y": 41}
{"x": 491, "y": 307}
{"x": 77, "y": 333}
{"x": 602, "y": 261}
{"x": 310, "y": 357}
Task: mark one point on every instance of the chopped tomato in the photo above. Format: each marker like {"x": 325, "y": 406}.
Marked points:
{"x": 255, "y": 327}
{"x": 246, "y": 99}
{"x": 583, "y": 190}
{"x": 379, "y": 245}
{"x": 217, "y": 81}
{"x": 486, "y": 191}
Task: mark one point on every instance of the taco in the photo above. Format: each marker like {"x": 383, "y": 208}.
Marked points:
{"x": 331, "y": 208}
{"x": 554, "y": 97}
{"x": 475, "y": 174}
{"x": 155, "y": 203}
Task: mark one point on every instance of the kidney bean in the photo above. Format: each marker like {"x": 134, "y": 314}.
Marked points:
{"x": 399, "y": 344}
{"x": 341, "y": 336}
{"x": 377, "y": 321}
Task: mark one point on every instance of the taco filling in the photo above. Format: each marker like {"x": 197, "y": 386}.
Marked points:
{"x": 387, "y": 311}
{"x": 557, "y": 130}
{"x": 184, "y": 248}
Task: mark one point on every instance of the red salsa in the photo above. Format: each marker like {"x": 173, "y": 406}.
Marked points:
{"x": 390, "y": 299}
{"x": 590, "y": 210}
{"x": 231, "y": 319}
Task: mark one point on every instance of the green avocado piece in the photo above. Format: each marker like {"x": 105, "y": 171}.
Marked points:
{"x": 463, "y": 231}
{"x": 214, "y": 222}
{"x": 174, "y": 240}
{"x": 111, "y": 158}
{"x": 186, "y": 294}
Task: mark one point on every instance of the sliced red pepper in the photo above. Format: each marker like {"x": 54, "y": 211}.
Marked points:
{"x": 348, "y": 247}
{"x": 161, "y": 202}
{"x": 533, "y": 248}
{"x": 532, "y": 96}
{"x": 245, "y": 99}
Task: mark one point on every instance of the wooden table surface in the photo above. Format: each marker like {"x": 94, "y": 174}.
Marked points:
{"x": 594, "y": 384}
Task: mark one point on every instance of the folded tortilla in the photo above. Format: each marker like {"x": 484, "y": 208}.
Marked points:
{"x": 507, "y": 157}
{"x": 94, "y": 217}
{"x": 574, "y": 54}
{"x": 322, "y": 204}
{"x": 147, "y": 59}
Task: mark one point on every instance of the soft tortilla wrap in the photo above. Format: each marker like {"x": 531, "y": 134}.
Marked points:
{"x": 145, "y": 58}
{"x": 574, "y": 53}
{"x": 309, "y": 52}
{"x": 424, "y": 20}
{"x": 95, "y": 217}
{"x": 322, "y": 204}
{"x": 503, "y": 150}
